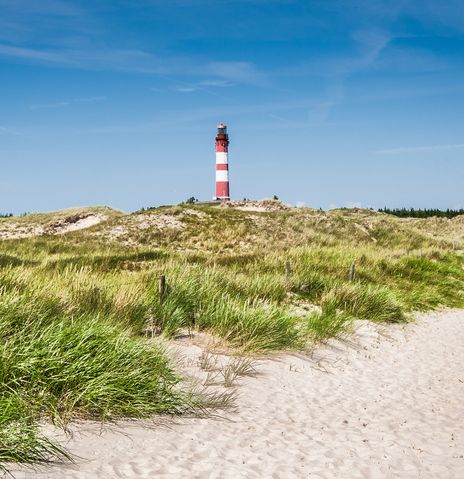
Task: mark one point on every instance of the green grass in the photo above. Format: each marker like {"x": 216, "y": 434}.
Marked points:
{"x": 74, "y": 309}
{"x": 61, "y": 366}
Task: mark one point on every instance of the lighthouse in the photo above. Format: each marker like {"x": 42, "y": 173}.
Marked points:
{"x": 222, "y": 164}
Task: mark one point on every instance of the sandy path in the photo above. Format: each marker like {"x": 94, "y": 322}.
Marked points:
{"x": 390, "y": 407}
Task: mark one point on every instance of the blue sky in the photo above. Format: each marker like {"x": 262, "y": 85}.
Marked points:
{"x": 328, "y": 103}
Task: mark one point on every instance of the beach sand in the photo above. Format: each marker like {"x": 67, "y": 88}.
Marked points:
{"x": 386, "y": 404}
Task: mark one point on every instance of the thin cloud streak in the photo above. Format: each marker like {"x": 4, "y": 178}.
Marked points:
{"x": 32, "y": 54}
{"x": 224, "y": 73}
{"x": 8, "y": 131}
{"x": 217, "y": 83}
{"x": 103, "y": 59}
{"x": 167, "y": 121}
{"x": 185, "y": 89}
{"x": 414, "y": 149}
{"x": 61, "y": 104}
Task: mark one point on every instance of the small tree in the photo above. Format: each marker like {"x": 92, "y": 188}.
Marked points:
{"x": 275, "y": 197}
{"x": 190, "y": 201}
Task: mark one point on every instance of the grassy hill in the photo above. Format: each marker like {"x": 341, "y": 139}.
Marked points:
{"x": 76, "y": 303}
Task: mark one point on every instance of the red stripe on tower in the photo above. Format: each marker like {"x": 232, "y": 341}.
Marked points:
{"x": 222, "y": 164}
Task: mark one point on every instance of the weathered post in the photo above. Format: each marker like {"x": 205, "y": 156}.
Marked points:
{"x": 288, "y": 270}
{"x": 162, "y": 287}
{"x": 352, "y": 271}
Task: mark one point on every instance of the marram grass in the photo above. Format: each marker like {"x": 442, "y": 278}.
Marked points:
{"x": 75, "y": 310}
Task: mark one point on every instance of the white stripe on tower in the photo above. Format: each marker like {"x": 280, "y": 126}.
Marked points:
{"x": 222, "y": 175}
{"x": 221, "y": 157}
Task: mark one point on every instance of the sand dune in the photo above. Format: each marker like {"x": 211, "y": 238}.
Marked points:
{"x": 388, "y": 404}
{"x": 14, "y": 230}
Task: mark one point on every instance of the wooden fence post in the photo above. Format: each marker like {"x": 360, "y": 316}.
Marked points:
{"x": 288, "y": 270}
{"x": 352, "y": 271}
{"x": 162, "y": 287}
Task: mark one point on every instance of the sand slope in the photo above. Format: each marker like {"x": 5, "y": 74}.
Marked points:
{"x": 54, "y": 223}
{"x": 390, "y": 406}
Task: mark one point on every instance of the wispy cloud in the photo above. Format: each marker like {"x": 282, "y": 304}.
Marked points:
{"x": 8, "y": 131}
{"x": 416, "y": 149}
{"x": 63, "y": 103}
{"x": 97, "y": 59}
{"x": 221, "y": 74}
{"x": 405, "y": 59}
{"x": 166, "y": 120}
{"x": 234, "y": 71}
{"x": 185, "y": 89}
{"x": 204, "y": 85}
{"x": 30, "y": 21}
{"x": 72, "y": 34}
{"x": 217, "y": 83}
{"x": 32, "y": 54}
{"x": 366, "y": 47}
{"x": 370, "y": 43}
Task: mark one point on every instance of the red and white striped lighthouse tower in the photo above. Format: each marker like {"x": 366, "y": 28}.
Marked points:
{"x": 222, "y": 164}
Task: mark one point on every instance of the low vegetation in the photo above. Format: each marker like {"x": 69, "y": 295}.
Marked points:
{"x": 82, "y": 322}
